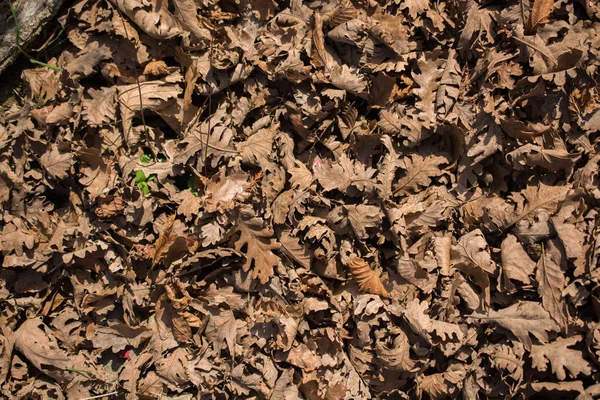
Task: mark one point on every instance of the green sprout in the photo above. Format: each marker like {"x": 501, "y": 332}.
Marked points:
{"x": 142, "y": 182}
{"x": 191, "y": 182}
{"x": 146, "y": 158}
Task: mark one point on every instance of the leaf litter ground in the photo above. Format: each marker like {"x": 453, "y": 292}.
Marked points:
{"x": 305, "y": 200}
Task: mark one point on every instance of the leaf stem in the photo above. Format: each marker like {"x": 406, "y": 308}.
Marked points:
{"x": 18, "y": 39}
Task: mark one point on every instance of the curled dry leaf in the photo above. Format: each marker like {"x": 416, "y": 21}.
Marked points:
{"x": 539, "y": 14}
{"x": 366, "y": 279}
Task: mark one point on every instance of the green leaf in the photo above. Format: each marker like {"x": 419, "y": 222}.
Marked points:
{"x": 140, "y": 177}
{"x": 191, "y": 182}
{"x": 145, "y": 158}
{"x": 143, "y": 186}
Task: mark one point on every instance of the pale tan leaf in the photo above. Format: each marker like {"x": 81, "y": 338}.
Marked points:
{"x": 472, "y": 256}
{"x": 223, "y": 189}
{"x": 344, "y": 12}
{"x": 533, "y": 199}
{"x": 400, "y": 122}
{"x": 172, "y": 367}
{"x": 345, "y": 175}
{"x": 433, "y": 331}
{"x": 418, "y": 172}
{"x": 257, "y": 237}
{"x": 409, "y": 269}
{"x": 397, "y": 356}
{"x": 550, "y": 276}
{"x": 191, "y": 20}
{"x": 516, "y": 264}
{"x": 292, "y": 247}
{"x": 221, "y": 328}
{"x": 445, "y": 384}
{"x": 362, "y": 217}
{"x": 164, "y": 241}
{"x": 156, "y": 68}
{"x": 431, "y": 70}
{"x": 57, "y": 164}
{"x": 562, "y": 358}
{"x": 529, "y": 156}
{"x": 258, "y": 148}
{"x": 155, "y": 96}
{"x": 153, "y": 18}
{"x": 119, "y": 336}
{"x": 523, "y": 318}
{"x": 34, "y": 340}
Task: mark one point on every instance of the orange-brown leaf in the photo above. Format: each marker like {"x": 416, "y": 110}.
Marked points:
{"x": 366, "y": 279}
{"x": 540, "y": 12}
{"x": 164, "y": 241}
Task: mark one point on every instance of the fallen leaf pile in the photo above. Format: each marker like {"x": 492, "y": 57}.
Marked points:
{"x": 390, "y": 199}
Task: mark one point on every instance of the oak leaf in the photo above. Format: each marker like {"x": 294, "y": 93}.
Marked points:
{"x": 34, "y": 340}
{"x": 418, "y": 172}
{"x": 363, "y": 216}
{"x": 221, "y": 328}
{"x": 344, "y": 175}
{"x": 561, "y": 358}
{"x": 257, "y": 237}
{"x": 433, "y": 331}
{"x": 101, "y": 107}
{"x": 397, "y": 356}
{"x": 57, "y": 164}
{"x": 523, "y": 318}
{"x": 153, "y": 18}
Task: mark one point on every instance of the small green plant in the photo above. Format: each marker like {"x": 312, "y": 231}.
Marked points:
{"x": 191, "y": 182}
{"x": 146, "y": 158}
{"x": 142, "y": 182}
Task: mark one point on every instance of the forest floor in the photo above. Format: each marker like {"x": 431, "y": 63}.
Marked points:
{"x": 212, "y": 199}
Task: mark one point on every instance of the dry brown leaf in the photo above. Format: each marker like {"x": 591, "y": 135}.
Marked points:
{"x": 164, "y": 241}
{"x": 397, "y": 356}
{"x": 344, "y": 175}
{"x": 257, "y": 239}
{"x": 56, "y": 163}
{"x": 221, "y": 328}
{"x": 366, "y": 279}
{"x": 516, "y": 264}
{"x": 433, "y": 331}
{"x": 41, "y": 349}
{"x": 562, "y": 358}
{"x": 550, "y": 277}
{"x": 156, "y": 68}
{"x": 222, "y": 190}
{"x": 539, "y": 14}
{"x": 153, "y": 18}
{"x": 523, "y": 318}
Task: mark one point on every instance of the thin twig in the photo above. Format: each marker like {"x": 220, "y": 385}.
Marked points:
{"x": 101, "y": 396}
{"x": 522, "y": 12}
{"x": 550, "y": 57}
